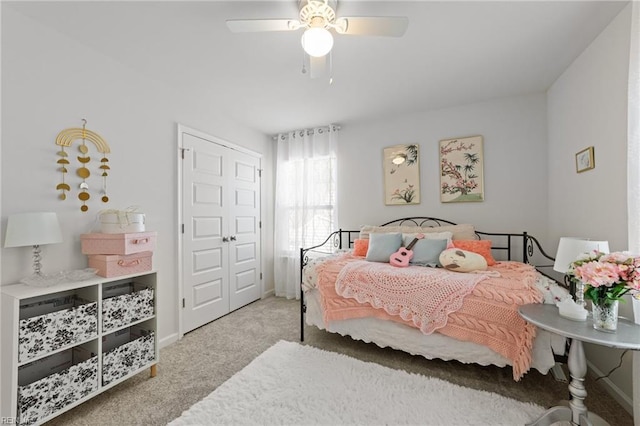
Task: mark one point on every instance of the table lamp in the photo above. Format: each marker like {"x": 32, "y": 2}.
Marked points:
{"x": 569, "y": 249}
{"x": 33, "y": 229}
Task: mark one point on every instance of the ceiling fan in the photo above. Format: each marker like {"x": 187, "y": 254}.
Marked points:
{"x": 318, "y": 19}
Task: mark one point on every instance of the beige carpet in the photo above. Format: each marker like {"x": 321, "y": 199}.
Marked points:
{"x": 192, "y": 368}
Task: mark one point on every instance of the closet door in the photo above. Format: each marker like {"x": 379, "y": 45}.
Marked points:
{"x": 220, "y": 212}
{"x": 205, "y": 256}
{"x": 244, "y": 228}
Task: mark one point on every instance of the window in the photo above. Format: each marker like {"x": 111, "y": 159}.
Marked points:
{"x": 309, "y": 200}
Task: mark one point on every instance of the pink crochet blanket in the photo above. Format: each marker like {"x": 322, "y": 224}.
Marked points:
{"x": 488, "y": 314}
{"x": 423, "y": 296}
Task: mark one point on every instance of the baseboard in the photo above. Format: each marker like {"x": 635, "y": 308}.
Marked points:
{"x": 616, "y": 393}
{"x": 268, "y": 293}
{"x": 172, "y": 338}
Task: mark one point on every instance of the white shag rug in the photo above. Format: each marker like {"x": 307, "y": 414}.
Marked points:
{"x": 292, "y": 384}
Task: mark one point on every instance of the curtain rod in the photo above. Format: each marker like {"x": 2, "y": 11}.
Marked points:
{"x": 332, "y": 127}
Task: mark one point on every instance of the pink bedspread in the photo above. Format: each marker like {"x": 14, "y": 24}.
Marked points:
{"x": 423, "y": 296}
{"x": 488, "y": 314}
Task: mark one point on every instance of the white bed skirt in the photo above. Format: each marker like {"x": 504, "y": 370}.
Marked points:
{"x": 398, "y": 336}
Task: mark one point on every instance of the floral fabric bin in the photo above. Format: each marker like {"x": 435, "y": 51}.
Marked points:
{"x": 127, "y": 308}
{"x": 48, "y": 332}
{"x": 50, "y": 394}
{"x": 128, "y": 357}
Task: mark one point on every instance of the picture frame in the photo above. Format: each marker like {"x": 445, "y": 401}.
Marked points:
{"x": 401, "y": 164}
{"x": 585, "y": 160}
{"x": 461, "y": 170}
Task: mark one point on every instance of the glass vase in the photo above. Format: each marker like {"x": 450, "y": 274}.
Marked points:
{"x": 605, "y": 315}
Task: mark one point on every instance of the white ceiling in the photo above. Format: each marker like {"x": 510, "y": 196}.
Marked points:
{"x": 453, "y": 53}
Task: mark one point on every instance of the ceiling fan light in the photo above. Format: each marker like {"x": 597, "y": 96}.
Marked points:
{"x": 317, "y": 41}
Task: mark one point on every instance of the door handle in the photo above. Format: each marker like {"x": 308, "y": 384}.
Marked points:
{"x": 225, "y": 239}
{"x": 232, "y": 238}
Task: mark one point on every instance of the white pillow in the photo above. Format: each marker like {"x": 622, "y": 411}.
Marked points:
{"x": 408, "y": 237}
{"x": 459, "y": 260}
{"x": 460, "y": 232}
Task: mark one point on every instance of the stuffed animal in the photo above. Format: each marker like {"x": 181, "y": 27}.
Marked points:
{"x": 459, "y": 260}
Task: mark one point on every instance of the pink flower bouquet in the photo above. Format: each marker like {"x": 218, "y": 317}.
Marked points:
{"x": 607, "y": 277}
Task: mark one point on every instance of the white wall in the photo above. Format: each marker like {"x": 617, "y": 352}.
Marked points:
{"x": 50, "y": 83}
{"x": 0, "y": 182}
{"x": 587, "y": 106}
{"x": 515, "y": 158}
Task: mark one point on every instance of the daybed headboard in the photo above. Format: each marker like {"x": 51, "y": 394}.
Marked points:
{"x": 508, "y": 246}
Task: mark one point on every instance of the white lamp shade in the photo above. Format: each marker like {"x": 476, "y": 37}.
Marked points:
{"x": 317, "y": 41}
{"x": 570, "y": 248}
{"x": 31, "y": 229}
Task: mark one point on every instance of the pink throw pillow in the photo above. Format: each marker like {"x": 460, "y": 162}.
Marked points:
{"x": 482, "y": 247}
{"x": 360, "y": 247}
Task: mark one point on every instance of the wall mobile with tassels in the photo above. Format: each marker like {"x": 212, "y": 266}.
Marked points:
{"x": 65, "y": 139}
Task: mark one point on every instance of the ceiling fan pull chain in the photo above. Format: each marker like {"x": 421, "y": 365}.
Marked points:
{"x": 304, "y": 70}
{"x": 330, "y": 68}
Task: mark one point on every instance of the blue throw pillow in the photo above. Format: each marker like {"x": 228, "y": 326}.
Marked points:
{"x": 426, "y": 252}
{"x": 382, "y": 246}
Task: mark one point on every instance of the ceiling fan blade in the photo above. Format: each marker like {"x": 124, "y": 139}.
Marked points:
{"x": 389, "y": 26}
{"x": 258, "y": 25}
{"x": 318, "y": 66}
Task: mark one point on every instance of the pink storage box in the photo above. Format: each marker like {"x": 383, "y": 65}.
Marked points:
{"x": 137, "y": 242}
{"x": 115, "y": 265}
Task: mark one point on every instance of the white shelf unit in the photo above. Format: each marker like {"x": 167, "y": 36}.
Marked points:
{"x": 71, "y": 337}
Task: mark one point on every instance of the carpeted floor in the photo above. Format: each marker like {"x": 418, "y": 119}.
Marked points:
{"x": 205, "y": 358}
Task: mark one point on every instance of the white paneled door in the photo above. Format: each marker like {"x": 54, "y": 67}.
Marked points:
{"x": 244, "y": 229}
{"x": 220, "y": 229}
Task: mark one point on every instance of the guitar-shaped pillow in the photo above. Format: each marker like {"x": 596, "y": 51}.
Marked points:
{"x": 402, "y": 257}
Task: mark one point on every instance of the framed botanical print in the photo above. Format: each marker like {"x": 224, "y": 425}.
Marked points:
{"x": 401, "y": 175}
{"x": 585, "y": 160}
{"x": 461, "y": 170}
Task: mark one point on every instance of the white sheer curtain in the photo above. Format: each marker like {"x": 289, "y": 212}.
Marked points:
{"x": 633, "y": 148}
{"x": 305, "y": 205}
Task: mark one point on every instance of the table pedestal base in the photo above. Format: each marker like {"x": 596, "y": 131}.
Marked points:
{"x": 564, "y": 414}
{"x": 575, "y": 412}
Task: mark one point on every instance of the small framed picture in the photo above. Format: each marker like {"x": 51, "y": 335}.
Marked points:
{"x": 585, "y": 160}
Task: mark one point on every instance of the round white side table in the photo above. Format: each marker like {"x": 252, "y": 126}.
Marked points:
{"x": 547, "y": 317}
